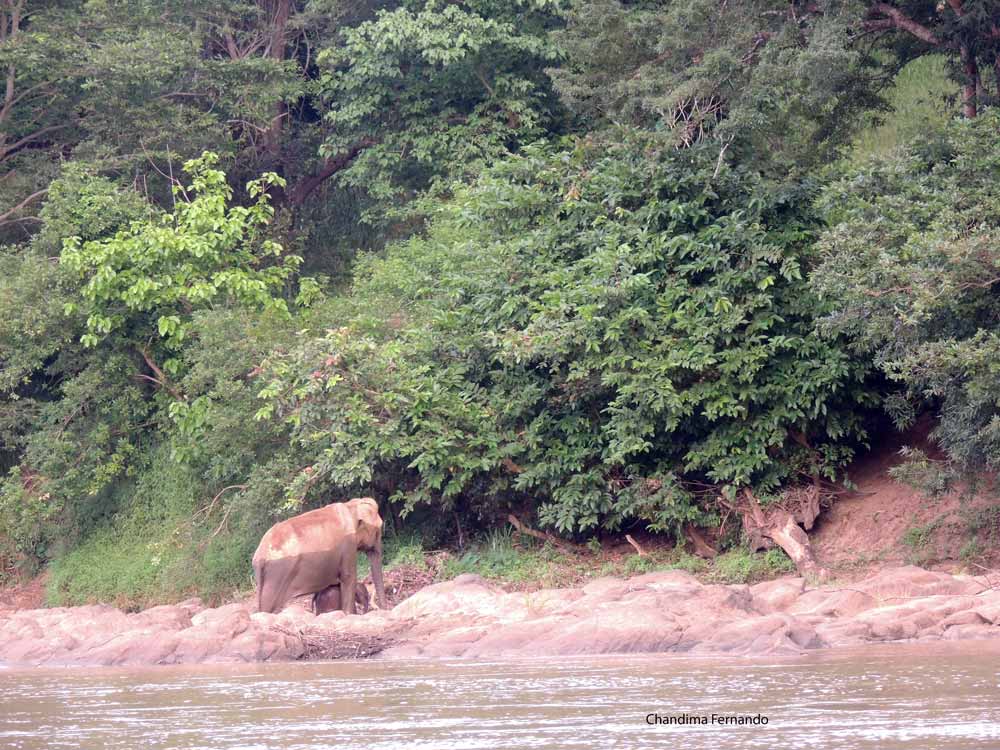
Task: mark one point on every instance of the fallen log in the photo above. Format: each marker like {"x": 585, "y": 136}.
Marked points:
{"x": 543, "y": 535}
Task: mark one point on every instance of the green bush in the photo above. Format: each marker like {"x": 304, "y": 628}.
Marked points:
{"x": 688, "y": 562}
{"x": 919, "y": 543}
{"x": 134, "y": 555}
{"x": 604, "y": 331}
{"x": 159, "y": 546}
{"x": 921, "y": 99}
{"x": 910, "y": 263}
{"x": 496, "y": 556}
{"x": 739, "y": 565}
{"x": 144, "y": 335}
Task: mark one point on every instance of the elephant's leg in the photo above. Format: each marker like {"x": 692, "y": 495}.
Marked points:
{"x": 362, "y": 599}
{"x": 276, "y": 579}
{"x": 375, "y": 561}
{"x": 349, "y": 582}
{"x": 327, "y": 600}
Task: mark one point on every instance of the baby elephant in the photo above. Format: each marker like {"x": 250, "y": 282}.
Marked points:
{"x": 328, "y": 599}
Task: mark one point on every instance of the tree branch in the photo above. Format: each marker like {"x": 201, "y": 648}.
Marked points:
{"x": 6, "y": 151}
{"x": 330, "y": 167}
{"x": 11, "y": 99}
{"x": 904, "y": 23}
{"x": 161, "y": 378}
{"x": 5, "y": 217}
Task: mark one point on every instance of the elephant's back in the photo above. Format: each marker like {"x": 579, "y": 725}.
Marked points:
{"x": 323, "y": 529}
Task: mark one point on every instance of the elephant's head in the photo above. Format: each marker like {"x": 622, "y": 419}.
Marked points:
{"x": 369, "y": 535}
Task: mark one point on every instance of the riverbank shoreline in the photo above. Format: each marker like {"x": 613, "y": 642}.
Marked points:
{"x": 661, "y": 612}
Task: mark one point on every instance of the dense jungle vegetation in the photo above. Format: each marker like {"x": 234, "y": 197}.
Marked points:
{"x": 606, "y": 264}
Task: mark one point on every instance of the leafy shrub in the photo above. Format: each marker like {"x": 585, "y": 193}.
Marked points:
{"x": 687, "y": 562}
{"x": 84, "y": 406}
{"x": 910, "y": 262}
{"x": 740, "y": 565}
{"x": 919, "y": 542}
{"x": 495, "y": 556}
{"x": 602, "y": 330}
{"x": 134, "y": 556}
{"x": 159, "y": 545}
{"x": 637, "y": 564}
{"x": 921, "y": 98}
{"x": 983, "y": 526}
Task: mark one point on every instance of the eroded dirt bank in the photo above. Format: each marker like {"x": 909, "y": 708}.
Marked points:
{"x": 657, "y": 612}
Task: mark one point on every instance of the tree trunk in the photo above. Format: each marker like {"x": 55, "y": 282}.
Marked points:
{"x": 276, "y": 51}
{"x": 971, "y": 85}
{"x": 304, "y": 188}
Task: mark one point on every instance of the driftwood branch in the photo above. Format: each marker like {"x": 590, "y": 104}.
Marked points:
{"x": 781, "y": 526}
{"x": 543, "y": 535}
{"x": 635, "y": 545}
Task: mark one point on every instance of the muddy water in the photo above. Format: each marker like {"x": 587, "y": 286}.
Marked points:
{"x": 935, "y": 697}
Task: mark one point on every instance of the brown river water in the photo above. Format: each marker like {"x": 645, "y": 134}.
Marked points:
{"x": 920, "y": 696}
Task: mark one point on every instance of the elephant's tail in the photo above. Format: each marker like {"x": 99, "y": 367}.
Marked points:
{"x": 258, "y": 574}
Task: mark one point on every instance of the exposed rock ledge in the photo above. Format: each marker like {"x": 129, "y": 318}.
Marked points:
{"x": 657, "y": 612}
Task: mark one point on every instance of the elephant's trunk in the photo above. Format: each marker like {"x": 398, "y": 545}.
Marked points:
{"x": 375, "y": 563}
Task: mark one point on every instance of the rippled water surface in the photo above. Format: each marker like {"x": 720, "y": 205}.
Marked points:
{"x": 905, "y": 696}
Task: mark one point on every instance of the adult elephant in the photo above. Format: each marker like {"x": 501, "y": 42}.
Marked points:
{"x": 314, "y": 550}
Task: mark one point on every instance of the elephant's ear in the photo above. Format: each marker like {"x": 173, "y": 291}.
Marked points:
{"x": 366, "y": 511}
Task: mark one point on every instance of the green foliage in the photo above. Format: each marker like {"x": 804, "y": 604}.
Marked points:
{"x": 982, "y": 529}
{"x": 78, "y": 446}
{"x": 909, "y": 263}
{"x": 131, "y": 555}
{"x": 431, "y": 90}
{"x": 919, "y": 542}
{"x": 565, "y": 252}
{"x": 688, "y": 562}
{"x": 971, "y": 552}
{"x": 739, "y": 565}
{"x": 932, "y": 477}
{"x": 160, "y": 544}
{"x": 921, "y": 100}
{"x": 918, "y": 537}
{"x": 607, "y": 330}
{"x": 204, "y": 253}
{"x": 496, "y": 557}
{"x": 130, "y": 88}
{"x": 638, "y": 564}
{"x": 405, "y": 549}
{"x": 782, "y": 84}
{"x": 79, "y": 419}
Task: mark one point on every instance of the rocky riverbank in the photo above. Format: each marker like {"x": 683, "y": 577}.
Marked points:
{"x": 469, "y": 617}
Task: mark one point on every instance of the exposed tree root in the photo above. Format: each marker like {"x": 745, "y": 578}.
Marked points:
{"x": 701, "y": 547}
{"x": 780, "y": 524}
